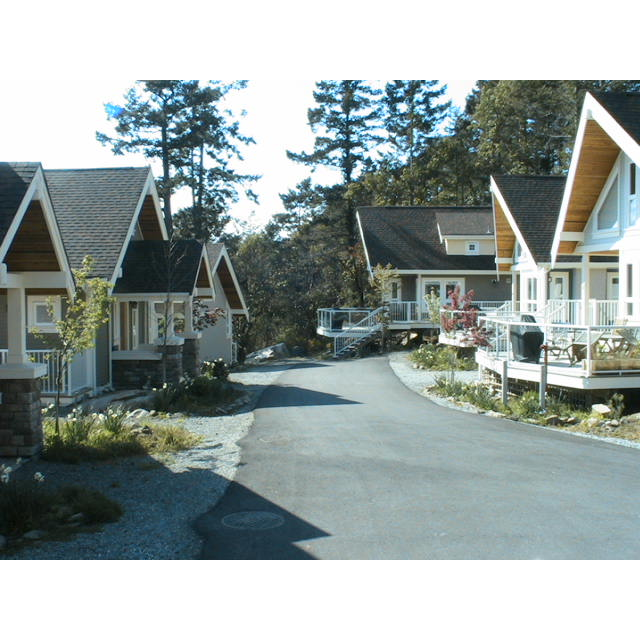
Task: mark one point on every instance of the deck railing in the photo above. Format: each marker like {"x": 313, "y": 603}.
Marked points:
{"x": 341, "y": 319}
{"x": 595, "y": 349}
{"x": 48, "y": 381}
{"x": 367, "y": 325}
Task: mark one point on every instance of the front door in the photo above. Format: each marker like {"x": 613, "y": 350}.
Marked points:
{"x": 559, "y": 285}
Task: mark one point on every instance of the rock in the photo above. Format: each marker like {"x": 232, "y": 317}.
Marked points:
{"x": 136, "y": 416}
{"x": 494, "y": 414}
{"x": 3, "y": 542}
{"x": 601, "y": 409}
{"x": 142, "y": 429}
{"x": 76, "y": 518}
{"x": 269, "y": 353}
{"x": 570, "y": 420}
{"x": 551, "y": 420}
{"x": 614, "y": 423}
{"x": 34, "y": 534}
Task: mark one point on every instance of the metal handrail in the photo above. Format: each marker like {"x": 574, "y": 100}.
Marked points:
{"x": 351, "y": 335}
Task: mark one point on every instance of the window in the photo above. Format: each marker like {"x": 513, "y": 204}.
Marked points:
{"x": 394, "y": 290}
{"x": 39, "y": 314}
{"x": 473, "y": 248}
{"x": 633, "y": 196}
{"x": 607, "y": 216}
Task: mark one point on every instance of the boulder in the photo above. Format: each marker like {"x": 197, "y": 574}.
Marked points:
{"x": 34, "y": 534}
{"x": 136, "y": 417}
{"x": 273, "y": 352}
{"x": 600, "y": 409}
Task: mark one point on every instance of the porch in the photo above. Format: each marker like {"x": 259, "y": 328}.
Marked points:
{"x": 578, "y": 356}
{"x": 74, "y": 380}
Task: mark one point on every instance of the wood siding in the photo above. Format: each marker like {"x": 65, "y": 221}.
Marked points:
{"x": 32, "y": 248}
{"x": 148, "y": 220}
{"x": 505, "y": 237}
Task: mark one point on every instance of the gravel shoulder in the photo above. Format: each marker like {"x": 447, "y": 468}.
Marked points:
{"x": 161, "y": 499}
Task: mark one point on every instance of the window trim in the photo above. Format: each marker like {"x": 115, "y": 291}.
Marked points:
{"x": 44, "y": 327}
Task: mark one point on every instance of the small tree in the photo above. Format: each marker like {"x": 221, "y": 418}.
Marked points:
{"x": 86, "y": 312}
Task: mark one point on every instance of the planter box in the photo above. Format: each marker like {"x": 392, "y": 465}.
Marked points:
{"x": 614, "y": 364}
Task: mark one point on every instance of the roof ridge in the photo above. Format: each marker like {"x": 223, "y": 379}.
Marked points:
{"x": 97, "y": 169}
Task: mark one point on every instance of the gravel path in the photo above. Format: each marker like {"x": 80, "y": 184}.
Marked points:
{"x": 160, "y": 501}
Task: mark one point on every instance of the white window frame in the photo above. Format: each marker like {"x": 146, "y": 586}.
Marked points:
{"x": 472, "y": 248}
{"x": 45, "y": 327}
{"x": 633, "y": 201}
{"x": 614, "y": 229}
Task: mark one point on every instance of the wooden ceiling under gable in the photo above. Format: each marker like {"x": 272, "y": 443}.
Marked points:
{"x": 598, "y": 153}
{"x": 505, "y": 237}
{"x": 32, "y": 248}
{"x": 148, "y": 220}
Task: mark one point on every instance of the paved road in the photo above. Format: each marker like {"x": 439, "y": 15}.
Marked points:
{"x": 344, "y": 461}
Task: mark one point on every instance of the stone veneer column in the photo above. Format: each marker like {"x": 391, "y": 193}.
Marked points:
{"x": 20, "y": 417}
{"x": 191, "y": 354}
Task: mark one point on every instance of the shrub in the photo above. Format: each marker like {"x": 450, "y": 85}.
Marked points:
{"x": 200, "y": 395}
{"x": 215, "y": 369}
{"x": 436, "y": 357}
{"x": 22, "y": 502}
{"x": 526, "y": 406}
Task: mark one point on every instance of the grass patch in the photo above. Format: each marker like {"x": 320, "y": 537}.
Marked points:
{"x": 89, "y": 437}
{"x": 437, "y": 357}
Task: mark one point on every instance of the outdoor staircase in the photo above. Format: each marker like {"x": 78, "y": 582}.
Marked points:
{"x": 352, "y": 340}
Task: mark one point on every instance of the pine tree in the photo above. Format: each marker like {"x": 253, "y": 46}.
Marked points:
{"x": 346, "y": 123}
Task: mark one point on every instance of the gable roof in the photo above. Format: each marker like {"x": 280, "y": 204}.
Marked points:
{"x": 478, "y": 222}
{"x": 95, "y": 210}
{"x": 15, "y": 179}
{"x": 147, "y": 265}
{"x": 532, "y": 204}
{"x": 221, "y": 266}
{"x": 609, "y": 123}
{"x": 408, "y": 239}
{"x": 30, "y": 239}
{"x": 625, "y": 109}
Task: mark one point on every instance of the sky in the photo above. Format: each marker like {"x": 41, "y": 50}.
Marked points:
{"x": 54, "y": 122}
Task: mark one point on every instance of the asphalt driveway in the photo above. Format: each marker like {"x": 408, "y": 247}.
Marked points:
{"x": 344, "y": 461}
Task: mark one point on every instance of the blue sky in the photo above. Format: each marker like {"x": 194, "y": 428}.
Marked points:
{"x": 54, "y": 122}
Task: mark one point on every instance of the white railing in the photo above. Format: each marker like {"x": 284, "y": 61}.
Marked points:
{"x": 341, "y": 319}
{"x": 366, "y": 326}
{"x": 403, "y": 311}
{"x": 48, "y": 381}
{"x": 234, "y": 352}
{"x": 603, "y": 311}
{"x": 595, "y": 349}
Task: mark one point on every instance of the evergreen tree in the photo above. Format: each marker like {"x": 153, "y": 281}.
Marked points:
{"x": 147, "y": 124}
{"x": 184, "y": 124}
{"x": 345, "y": 121}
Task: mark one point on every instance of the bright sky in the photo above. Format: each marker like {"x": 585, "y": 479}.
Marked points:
{"x": 54, "y": 122}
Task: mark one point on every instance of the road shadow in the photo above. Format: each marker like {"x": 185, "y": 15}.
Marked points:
{"x": 292, "y": 396}
{"x": 247, "y": 526}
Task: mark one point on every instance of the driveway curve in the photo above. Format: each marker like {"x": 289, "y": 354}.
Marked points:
{"x": 345, "y": 462}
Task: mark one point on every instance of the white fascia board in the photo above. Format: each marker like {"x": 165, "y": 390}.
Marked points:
{"x": 510, "y": 219}
{"x": 364, "y": 245}
{"x": 180, "y": 296}
{"x": 444, "y": 272}
{"x": 39, "y": 280}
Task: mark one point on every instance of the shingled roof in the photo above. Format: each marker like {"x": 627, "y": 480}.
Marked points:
{"x": 94, "y": 209}
{"x": 147, "y": 265}
{"x": 625, "y": 109}
{"x": 534, "y": 202}
{"x": 15, "y": 178}
{"x": 407, "y": 238}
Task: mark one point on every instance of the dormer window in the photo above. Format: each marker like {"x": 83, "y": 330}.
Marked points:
{"x": 473, "y": 248}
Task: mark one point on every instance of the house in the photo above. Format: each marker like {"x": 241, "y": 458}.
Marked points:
{"x": 217, "y": 340}
{"x": 33, "y": 266}
{"x": 432, "y": 250}
{"x": 579, "y": 285}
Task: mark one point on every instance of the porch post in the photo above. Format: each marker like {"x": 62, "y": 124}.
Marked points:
{"x": 16, "y": 327}
{"x": 585, "y": 290}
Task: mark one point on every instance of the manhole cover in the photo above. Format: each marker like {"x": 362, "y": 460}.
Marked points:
{"x": 256, "y": 520}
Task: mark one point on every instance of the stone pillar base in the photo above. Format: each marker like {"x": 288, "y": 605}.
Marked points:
{"x": 20, "y": 418}
{"x": 191, "y": 356}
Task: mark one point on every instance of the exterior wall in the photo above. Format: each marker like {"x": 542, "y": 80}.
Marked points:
{"x": 489, "y": 287}
{"x": 216, "y": 340}
{"x": 459, "y": 246}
